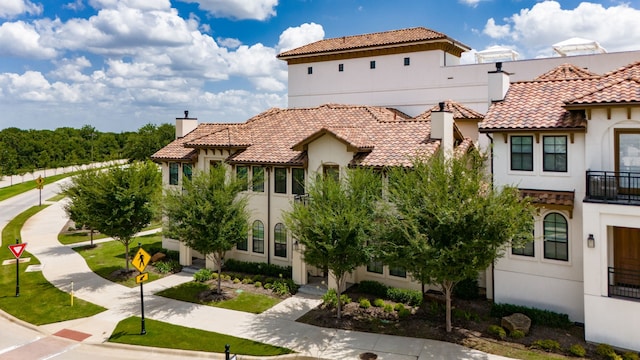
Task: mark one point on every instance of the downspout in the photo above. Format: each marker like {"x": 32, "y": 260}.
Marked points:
{"x": 493, "y": 263}
{"x": 268, "y": 232}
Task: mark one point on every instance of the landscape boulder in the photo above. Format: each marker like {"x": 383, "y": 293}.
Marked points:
{"x": 516, "y": 321}
{"x": 157, "y": 257}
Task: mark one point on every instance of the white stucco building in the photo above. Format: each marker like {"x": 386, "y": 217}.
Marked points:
{"x": 569, "y": 138}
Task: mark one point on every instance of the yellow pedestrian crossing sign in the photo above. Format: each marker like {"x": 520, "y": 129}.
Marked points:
{"x": 142, "y": 278}
{"x": 141, "y": 260}
{"x": 40, "y": 182}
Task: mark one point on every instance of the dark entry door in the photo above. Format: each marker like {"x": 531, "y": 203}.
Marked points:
{"x": 626, "y": 254}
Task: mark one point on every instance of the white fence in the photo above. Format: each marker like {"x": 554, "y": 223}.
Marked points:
{"x": 17, "y": 179}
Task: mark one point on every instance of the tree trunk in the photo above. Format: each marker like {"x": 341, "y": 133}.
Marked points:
{"x": 126, "y": 255}
{"x": 338, "y": 294}
{"x": 91, "y": 237}
{"x": 447, "y": 286}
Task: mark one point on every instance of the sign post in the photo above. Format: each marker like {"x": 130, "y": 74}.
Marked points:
{"x": 140, "y": 262}
{"x": 40, "y": 183}
{"x": 17, "y": 250}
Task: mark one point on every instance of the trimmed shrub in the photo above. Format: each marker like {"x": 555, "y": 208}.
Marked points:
{"x": 330, "y": 298}
{"x": 406, "y": 296}
{"x": 467, "y": 290}
{"x": 378, "y": 302}
{"x": 547, "y": 345}
{"x": 404, "y": 313}
{"x": 398, "y": 307}
{"x": 608, "y": 352}
{"x": 258, "y": 268}
{"x": 268, "y": 286}
{"x": 577, "y": 350}
{"x": 516, "y": 334}
{"x": 202, "y": 275}
{"x": 497, "y": 331}
{"x": 630, "y": 356}
{"x": 388, "y": 308}
{"x": 284, "y": 287}
{"x": 364, "y": 303}
{"x": 537, "y": 316}
{"x": 257, "y": 284}
{"x": 236, "y": 281}
{"x": 165, "y": 267}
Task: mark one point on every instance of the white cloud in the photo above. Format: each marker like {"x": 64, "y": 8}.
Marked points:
{"x": 294, "y": 37}
{"x": 238, "y": 9}
{"x": 71, "y": 69}
{"x": 546, "y": 23}
{"x": 75, "y": 5}
{"x": 496, "y": 31}
{"x": 11, "y": 8}
{"x": 230, "y": 43}
{"x": 472, "y": 3}
{"x": 22, "y": 40}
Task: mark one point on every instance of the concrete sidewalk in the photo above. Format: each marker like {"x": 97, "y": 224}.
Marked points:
{"x": 277, "y": 326}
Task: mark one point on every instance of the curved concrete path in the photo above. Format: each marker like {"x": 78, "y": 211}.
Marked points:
{"x": 277, "y": 326}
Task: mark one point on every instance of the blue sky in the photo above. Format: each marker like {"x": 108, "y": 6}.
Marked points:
{"x": 120, "y": 64}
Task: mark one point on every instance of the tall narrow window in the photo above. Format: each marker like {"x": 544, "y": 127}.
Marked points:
{"x": 173, "y": 173}
{"x": 241, "y": 173}
{"x": 340, "y": 67}
{"x": 527, "y": 250}
{"x": 555, "y": 153}
{"x": 522, "y": 153}
{"x": 280, "y": 241}
{"x": 332, "y": 171}
{"x": 310, "y": 70}
{"x": 297, "y": 181}
{"x": 372, "y": 64}
{"x": 187, "y": 171}
{"x": 257, "y": 178}
{"x": 243, "y": 245}
{"x": 398, "y": 271}
{"x": 280, "y": 181}
{"x": 407, "y": 61}
{"x": 258, "y": 237}
{"x": 556, "y": 245}
{"x": 375, "y": 266}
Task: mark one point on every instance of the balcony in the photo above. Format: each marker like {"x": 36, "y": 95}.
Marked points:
{"x": 613, "y": 187}
{"x": 624, "y": 283}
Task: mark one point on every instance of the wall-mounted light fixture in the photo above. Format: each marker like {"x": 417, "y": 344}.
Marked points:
{"x": 296, "y": 245}
{"x": 591, "y": 241}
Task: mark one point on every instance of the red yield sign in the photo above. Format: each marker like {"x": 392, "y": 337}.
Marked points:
{"x": 17, "y": 249}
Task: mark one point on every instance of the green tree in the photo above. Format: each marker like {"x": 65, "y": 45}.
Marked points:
{"x": 449, "y": 223}
{"x": 118, "y": 202}
{"x": 209, "y": 215}
{"x": 149, "y": 139}
{"x": 337, "y": 224}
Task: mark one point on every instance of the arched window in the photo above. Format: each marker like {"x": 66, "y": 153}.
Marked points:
{"x": 556, "y": 239}
{"x": 280, "y": 239}
{"x": 258, "y": 237}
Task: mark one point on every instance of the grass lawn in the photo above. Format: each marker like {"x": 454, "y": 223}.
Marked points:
{"x": 105, "y": 258}
{"x": 165, "y": 335}
{"x": 245, "y": 301}
{"x": 17, "y": 189}
{"x": 56, "y": 198}
{"x": 68, "y": 238}
{"x": 39, "y": 301}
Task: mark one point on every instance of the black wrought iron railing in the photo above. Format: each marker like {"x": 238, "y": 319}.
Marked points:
{"x": 624, "y": 283}
{"x": 613, "y": 187}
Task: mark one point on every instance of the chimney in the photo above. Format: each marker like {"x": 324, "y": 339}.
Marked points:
{"x": 442, "y": 129}
{"x": 498, "y": 83}
{"x": 185, "y": 125}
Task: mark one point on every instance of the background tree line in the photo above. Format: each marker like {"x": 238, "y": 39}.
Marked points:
{"x": 22, "y": 151}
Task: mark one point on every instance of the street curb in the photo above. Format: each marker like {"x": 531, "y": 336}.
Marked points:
{"x": 22, "y": 323}
{"x": 202, "y": 354}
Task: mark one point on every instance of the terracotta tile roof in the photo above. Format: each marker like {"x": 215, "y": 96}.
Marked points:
{"x": 233, "y": 136}
{"x": 379, "y": 136}
{"x": 537, "y": 105}
{"x": 394, "y": 37}
{"x": 562, "y": 200}
{"x": 621, "y": 91}
{"x": 543, "y": 104}
{"x": 459, "y": 111}
{"x": 176, "y": 149}
{"x": 566, "y": 72}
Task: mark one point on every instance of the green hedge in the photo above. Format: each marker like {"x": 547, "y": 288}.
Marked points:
{"x": 405, "y": 296}
{"x": 257, "y": 268}
{"x": 537, "y": 316}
